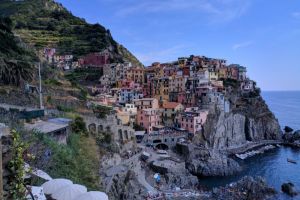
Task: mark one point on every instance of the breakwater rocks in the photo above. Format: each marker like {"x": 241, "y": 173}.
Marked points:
{"x": 207, "y": 163}
{"x": 292, "y": 138}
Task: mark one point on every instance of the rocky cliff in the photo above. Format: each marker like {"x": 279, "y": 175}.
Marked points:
{"x": 249, "y": 120}
{"x": 207, "y": 163}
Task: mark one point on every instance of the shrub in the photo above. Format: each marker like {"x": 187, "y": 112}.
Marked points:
{"x": 64, "y": 108}
{"x": 79, "y": 126}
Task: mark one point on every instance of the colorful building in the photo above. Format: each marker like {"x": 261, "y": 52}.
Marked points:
{"x": 95, "y": 59}
{"x": 192, "y": 119}
{"x": 149, "y": 118}
{"x": 136, "y": 74}
{"x": 170, "y": 110}
{"x": 128, "y": 95}
{"x": 146, "y": 103}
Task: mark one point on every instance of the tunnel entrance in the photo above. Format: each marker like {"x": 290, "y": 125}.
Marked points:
{"x": 162, "y": 146}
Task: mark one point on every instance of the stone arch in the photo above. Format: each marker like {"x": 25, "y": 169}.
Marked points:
{"x": 120, "y": 134}
{"x": 126, "y": 135}
{"x": 100, "y": 128}
{"x": 92, "y": 128}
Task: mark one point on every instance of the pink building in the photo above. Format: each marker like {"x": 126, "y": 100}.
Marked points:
{"x": 192, "y": 119}
{"x": 148, "y": 118}
{"x": 127, "y": 83}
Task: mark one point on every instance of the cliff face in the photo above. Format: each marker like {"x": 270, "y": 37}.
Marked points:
{"x": 249, "y": 120}
{"x": 207, "y": 163}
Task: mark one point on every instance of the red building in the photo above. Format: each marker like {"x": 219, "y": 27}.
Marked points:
{"x": 95, "y": 59}
{"x": 186, "y": 71}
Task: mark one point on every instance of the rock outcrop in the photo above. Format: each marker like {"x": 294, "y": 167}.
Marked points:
{"x": 289, "y": 189}
{"x": 126, "y": 186}
{"x": 207, "y": 163}
{"x": 290, "y": 137}
{"x": 245, "y": 189}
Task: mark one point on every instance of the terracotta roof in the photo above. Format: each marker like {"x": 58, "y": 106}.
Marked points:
{"x": 170, "y": 105}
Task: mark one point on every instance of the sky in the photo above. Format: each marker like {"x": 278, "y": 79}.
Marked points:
{"x": 263, "y": 35}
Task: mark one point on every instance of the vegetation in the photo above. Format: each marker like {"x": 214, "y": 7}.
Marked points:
{"x": 16, "y": 167}
{"x": 102, "y": 111}
{"x": 231, "y": 82}
{"x": 52, "y": 82}
{"x": 138, "y": 127}
{"x": 77, "y": 161}
{"x": 46, "y": 23}
{"x": 15, "y": 61}
{"x": 84, "y": 75}
{"x": 64, "y": 108}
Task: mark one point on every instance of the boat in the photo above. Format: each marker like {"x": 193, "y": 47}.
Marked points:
{"x": 291, "y": 161}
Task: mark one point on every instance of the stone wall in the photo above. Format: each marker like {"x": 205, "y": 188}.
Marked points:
{"x": 122, "y": 134}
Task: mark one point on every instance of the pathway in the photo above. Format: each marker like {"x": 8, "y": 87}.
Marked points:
{"x": 252, "y": 145}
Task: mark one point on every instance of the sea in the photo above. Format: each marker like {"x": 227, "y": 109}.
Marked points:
{"x": 273, "y": 165}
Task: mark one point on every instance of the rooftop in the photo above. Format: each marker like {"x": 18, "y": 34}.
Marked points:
{"x": 48, "y": 126}
{"x": 170, "y": 105}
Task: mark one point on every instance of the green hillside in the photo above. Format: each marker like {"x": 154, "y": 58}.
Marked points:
{"x": 45, "y": 23}
{"x": 16, "y": 61}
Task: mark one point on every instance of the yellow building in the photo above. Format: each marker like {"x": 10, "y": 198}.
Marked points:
{"x": 136, "y": 75}
{"x": 213, "y": 76}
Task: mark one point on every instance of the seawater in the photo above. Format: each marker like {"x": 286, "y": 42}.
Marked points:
{"x": 272, "y": 165}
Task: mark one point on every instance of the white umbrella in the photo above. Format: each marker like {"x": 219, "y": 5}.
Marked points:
{"x": 53, "y": 185}
{"x": 37, "y": 192}
{"x": 69, "y": 192}
{"x": 93, "y": 195}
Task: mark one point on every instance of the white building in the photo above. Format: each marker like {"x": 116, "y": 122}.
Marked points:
{"x": 127, "y": 95}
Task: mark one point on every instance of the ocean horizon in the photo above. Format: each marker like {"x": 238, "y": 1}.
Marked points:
{"x": 286, "y": 107}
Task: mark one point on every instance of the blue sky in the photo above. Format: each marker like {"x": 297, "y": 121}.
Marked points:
{"x": 263, "y": 35}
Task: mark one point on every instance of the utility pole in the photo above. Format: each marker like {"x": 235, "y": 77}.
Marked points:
{"x": 40, "y": 87}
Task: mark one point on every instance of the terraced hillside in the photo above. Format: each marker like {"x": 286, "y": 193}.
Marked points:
{"x": 45, "y": 23}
